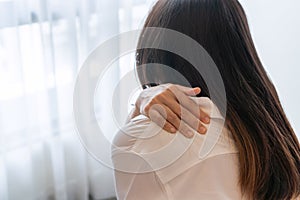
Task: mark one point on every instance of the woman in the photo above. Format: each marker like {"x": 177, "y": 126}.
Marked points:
{"x": 257, "y": 155}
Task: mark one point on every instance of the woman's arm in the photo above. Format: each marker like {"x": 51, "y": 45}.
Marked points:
{"x": 170, "y": 107}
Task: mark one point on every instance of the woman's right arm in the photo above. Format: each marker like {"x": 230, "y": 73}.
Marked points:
{"x": 171, "y": 108}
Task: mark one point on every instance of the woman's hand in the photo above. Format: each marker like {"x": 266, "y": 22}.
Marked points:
{"x": 170, "y": 107}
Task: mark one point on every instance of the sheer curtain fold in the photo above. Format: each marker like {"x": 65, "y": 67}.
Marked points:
{"x": 42, "y": 45}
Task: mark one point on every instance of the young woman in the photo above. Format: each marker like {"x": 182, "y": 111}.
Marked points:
{"x": 257, "y": 155}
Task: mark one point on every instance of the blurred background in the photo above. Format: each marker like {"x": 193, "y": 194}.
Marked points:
{"x": 43, "y": 44}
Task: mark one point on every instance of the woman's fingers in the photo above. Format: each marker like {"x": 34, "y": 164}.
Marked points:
{"x": 186, "y": 102}
{"x": 189, "y": 91}
{"x": 160, "y": 120}
{"x": 163, "y": 117}
{"x": 176, "y": 114}
{"x": 192, "y": 121}
{"x": 172, "y": 104}
{"x": 169, "y": 120}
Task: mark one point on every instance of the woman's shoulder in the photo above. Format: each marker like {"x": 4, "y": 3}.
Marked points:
{"x": 141, "y": 134}
{"x": 141, "y": 140}
{"x": 139, "y": 130}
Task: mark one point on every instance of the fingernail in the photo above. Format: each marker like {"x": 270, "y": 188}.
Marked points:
{"x": 190, "y": 134}
{"x": 198, "y": 90}
{"x": 206, "y": 119}
{"x": 173, "y": 130}
{"x": 202, "y": 130}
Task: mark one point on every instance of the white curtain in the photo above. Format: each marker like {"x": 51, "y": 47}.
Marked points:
{"x": 42, "y": 46}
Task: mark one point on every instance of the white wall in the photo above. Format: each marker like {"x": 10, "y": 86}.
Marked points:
{"x": 275, "y": 27}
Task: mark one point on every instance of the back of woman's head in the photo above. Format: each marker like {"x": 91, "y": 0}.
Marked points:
{"x": 269, "y": 152}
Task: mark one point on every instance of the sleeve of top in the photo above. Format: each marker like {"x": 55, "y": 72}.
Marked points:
{"x": 134, "y": 178}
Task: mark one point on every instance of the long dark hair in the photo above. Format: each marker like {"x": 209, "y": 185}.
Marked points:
{"x": 269, "y": 152}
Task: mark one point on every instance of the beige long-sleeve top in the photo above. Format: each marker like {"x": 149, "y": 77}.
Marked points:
{"x": 153, "y": 164}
